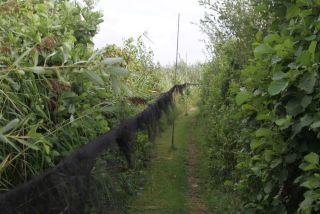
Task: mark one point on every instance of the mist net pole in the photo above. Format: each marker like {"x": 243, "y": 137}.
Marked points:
{"x": 175, "y": 76}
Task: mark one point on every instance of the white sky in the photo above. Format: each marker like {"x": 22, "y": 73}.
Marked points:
{"x": 131, "y": 18}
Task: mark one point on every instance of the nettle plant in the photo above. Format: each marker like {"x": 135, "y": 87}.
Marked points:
{"x": 280, "y": 92}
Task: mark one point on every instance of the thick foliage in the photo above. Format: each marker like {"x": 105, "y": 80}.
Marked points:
{"x": 277, "y": 163}
{"x": 230, "y": 19}
{"x": 56, "y": 92}
{"x": 281, "y": 88}
{"x": 219, "y": 113}
{"x": 137, "y": 57}
{"x": 42, "y": 87}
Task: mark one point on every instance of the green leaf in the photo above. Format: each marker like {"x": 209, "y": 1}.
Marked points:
{"x": 276, "y": 162}
{"x": 109, "y": 109}
{"x": 116, "y": 84}
{"x": 312, "y": 158}
{"x": 258, "y": 36}
{"x": 306, "y": 101}
{"x": 277, "y": 86}
{"x": 263, "y": 132}
{"x": 305, "y": 13}
{"x": 96, "y": 54}
{"x": 11, "y": 125}
{"x": 68, "y": 94}
{"x": 50, "y": 55}
{"x": 306, "y": 204}
{"x": 33, "y": 133}
{"x": 118, "y": 71}
{"x": 268, "y": 187}
{"x": 18, "y": 60}
{"x": 47, "y": 148}
{"x": 292, "y": 11}
{"x": 272, "y": 38}
{"x": 262, "y": 50}
{"x": 263, "y": 117}
{"x": 35, "y": 58}
{"x": 4, "y": 162}
{"x": 307, "y": 82}
{"x": 66, "y": 49}
{"x": 94, "y": 77}
{"x": 247, "y": 107}
{"x": 14, "y": 84}
{"x": 279, "y": 75}
{"x": 310, "y": 38}
{"x": 4, "y": 139}
{"x": 304, "y": 121}
{"x": 275, "y": 59}
{"x": 294, "y": 108}
{"x": 312, "y": 49}
{"x": 242, "y": 97}
{"x": 315, "y": 125}
{"x": 111, "y": 61}
{"x": 305, "y": 58}
{"x": 30, "y": 145}
{"x": 256, "y": 144}
{"x": 308, "y": 167}
{"x": 284, "y": 123}
{"x": 228, "y": 183}
{"x": 311, "y": 183}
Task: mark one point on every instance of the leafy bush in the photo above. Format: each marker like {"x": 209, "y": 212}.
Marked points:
{"x": 282, "y": 87}
{"x": 219, "y": 113}
{"x": 277, "y": 162}
{"x": 56, "y": 91}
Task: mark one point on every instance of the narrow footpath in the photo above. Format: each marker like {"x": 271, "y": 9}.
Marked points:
{"x": 172, "y": 183}
{"x": 195, "y": 203}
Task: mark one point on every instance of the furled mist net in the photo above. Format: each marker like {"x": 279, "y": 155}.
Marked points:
{"x": 70, "y": 187}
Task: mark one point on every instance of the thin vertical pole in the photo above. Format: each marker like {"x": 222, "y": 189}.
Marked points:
{"x": 177, "y": 51}
{"x": 175, "y": 77}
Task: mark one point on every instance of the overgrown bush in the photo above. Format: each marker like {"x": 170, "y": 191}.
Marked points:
{"x": 281, "y": 86}
{"x": 220, "y": 115}
{"x": 276, "y": 120}
{"x": 56, "y": 91}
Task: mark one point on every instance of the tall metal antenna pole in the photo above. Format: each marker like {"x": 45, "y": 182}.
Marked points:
{"x": 175, "y": 76}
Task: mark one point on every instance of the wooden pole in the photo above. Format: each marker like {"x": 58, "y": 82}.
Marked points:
{"x": 175, "y": 77}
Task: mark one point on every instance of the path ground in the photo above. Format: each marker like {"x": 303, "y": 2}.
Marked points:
{"x": 195, "y": 203}
{"x": 173, "y": 185}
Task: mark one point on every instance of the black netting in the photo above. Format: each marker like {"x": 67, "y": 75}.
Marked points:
{"x": 78, "y": 183}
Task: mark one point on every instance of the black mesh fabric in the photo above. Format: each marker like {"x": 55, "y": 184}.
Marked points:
{"x": 67, "y": 187}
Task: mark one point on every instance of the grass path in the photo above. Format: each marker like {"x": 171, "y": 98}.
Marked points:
{"x": 172, "y": 185}
{"x": 195, "y": 202}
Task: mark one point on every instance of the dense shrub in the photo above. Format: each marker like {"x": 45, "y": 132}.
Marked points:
{"x": 56, "y": 91}
{"x": 276, "y": 133}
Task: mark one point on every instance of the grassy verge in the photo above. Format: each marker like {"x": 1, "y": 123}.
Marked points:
{"x": 166, "y": 188}
{"x": 218, "y": 198}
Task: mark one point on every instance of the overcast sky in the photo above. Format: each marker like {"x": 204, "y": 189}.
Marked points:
{"x": 131, "y": 18}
